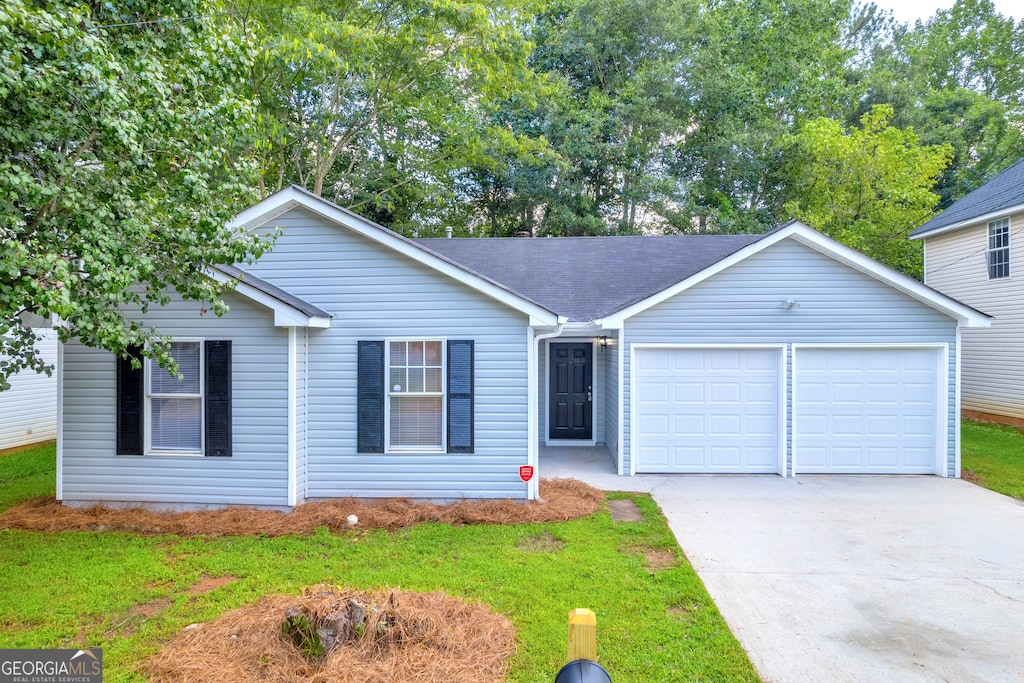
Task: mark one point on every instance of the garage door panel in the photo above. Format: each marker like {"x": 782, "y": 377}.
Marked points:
{"x": 880, "y": 413}
{"x": 655, "y": 360}
{"x": 688, "y": 392}
{"x": 766, "y": 393}
{"x": 724, "y": 425}
{"x": 724, "y": 457}
{"x": 883, "y": 425}
{"x": 688, "y": 425}
{"x": 686, "y": 457}
{"x": 724, "y": 392}
{"x": 723, "y": 410}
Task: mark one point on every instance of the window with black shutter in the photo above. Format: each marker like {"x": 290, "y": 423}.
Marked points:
{"x": 186, "y": 414}
{"x": 413, "y": 396}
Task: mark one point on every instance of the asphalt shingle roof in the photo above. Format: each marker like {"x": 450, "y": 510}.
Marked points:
{"x": 274, "y": 291}
{"x": 1002, "y": 192}
{"x": 586, "y": 278}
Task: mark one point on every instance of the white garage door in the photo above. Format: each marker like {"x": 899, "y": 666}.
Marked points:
{"x": 707, "y": 410}
{"x": 864, "y": 411}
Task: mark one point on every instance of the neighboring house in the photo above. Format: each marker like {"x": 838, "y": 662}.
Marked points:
{"x": 973, "y": 251}
{"x": 28, "y": 410}
{"x": 355, "y": 362}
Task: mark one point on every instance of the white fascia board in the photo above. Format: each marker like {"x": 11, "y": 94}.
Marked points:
{"x": 284, "y": 315}
{"x": 966, "y": 315}
{"x": 292, "y": 197}
{"x": 975, "y": 220}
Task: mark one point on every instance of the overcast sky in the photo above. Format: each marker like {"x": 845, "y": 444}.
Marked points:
{"x": 909, "y": 10}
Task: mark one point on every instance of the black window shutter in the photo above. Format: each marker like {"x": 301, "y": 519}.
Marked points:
{"x": 460, "y": 396}
{"x": 130, "y": 395}
{"x": 370, "y": 397}
{"x": 218, "y": 398}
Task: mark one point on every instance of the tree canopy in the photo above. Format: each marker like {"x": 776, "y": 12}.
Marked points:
{"x": 123, "y": 142}
{"x": 130, "y": 133}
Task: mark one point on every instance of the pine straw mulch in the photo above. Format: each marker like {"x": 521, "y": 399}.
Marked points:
{"x": 429, "y": 637}
{"x": 561, "y": 500}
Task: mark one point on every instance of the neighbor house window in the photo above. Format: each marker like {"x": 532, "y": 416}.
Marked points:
{"x": 174, "y": 406}
{"x": 999, "y": 249}
{"x": 415, "y": 416}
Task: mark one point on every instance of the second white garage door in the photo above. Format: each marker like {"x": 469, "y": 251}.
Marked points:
{"x": 866, "y": 410}
{"x": 707, "y": 410}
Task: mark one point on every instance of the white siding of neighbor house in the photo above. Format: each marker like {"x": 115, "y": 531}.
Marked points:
{"x": 28, "y": 410}
{"x": 838, "y": 304}
{"x": 992, "y": 377}
{"x": 256, "y": 472}
{"x": 376, "y": 293}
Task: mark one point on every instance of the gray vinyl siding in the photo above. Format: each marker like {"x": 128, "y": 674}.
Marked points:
{"x": 256, "y": 472}
{"x": 376, "y": 293}
{"x": 992, "y": 377}
{"x": 838, "y": 305}
{"x": 28, "y": 409}
{"x": 611, "y": 396}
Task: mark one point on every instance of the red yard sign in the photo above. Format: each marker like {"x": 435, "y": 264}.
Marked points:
{"x": 526, "y": 472}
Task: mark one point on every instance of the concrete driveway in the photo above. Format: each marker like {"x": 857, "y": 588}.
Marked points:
{"x": 854, "y": 579}
{"x": 859, "y": 578}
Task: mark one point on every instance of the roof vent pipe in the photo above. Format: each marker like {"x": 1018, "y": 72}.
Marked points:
{"x": 448, "y": 231}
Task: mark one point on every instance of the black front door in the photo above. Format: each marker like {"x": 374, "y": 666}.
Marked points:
{"x": 571, "y": 386}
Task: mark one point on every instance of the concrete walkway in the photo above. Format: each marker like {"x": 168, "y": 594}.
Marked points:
{"x": 849, "y": 578}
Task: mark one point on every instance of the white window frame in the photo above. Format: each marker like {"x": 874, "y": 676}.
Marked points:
{"x": 201, "y": 396}
{"x": 389, "y": 394}
{"x": 1001, "y": 224}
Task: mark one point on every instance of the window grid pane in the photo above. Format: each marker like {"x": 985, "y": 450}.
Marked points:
{"x": 415, "y": 367}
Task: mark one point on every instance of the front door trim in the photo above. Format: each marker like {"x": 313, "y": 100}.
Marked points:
{"x": 597, "y": 389}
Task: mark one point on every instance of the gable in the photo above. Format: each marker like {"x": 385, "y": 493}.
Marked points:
{"x": 272, "y": 212}
{"x": 832, "y": 301}
{"x": 357, "y": 278}
{"x": 831, "y": 249}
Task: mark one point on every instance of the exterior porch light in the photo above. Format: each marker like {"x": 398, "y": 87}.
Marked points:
{"x": 603, "y": 341}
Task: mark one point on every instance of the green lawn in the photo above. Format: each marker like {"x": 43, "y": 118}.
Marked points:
{"x": 129, "y": 593}
{"x": 993, "y": 456}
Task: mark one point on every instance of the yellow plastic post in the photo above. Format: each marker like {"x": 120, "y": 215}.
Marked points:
{"x": 582, "y": 635}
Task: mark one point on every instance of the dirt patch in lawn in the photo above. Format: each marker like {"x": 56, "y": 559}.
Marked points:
{"x": 209, "y": 583}
{"x": 657, "y": 560}
{"x": 561, "y": 500}
{"x": 407, "y": 636}
{"x": 546, "y": 542}
{"x": 971, "y": 476}
{"x": 131, "y": 620}
{"x": 625, "y": 510}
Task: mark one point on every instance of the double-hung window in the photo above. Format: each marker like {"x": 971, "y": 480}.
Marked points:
{"x": 415, "y": 395}
{"x": 998, "y": 254}
{"x": 174, "y": 403}
{"x": 160, "y": 414}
